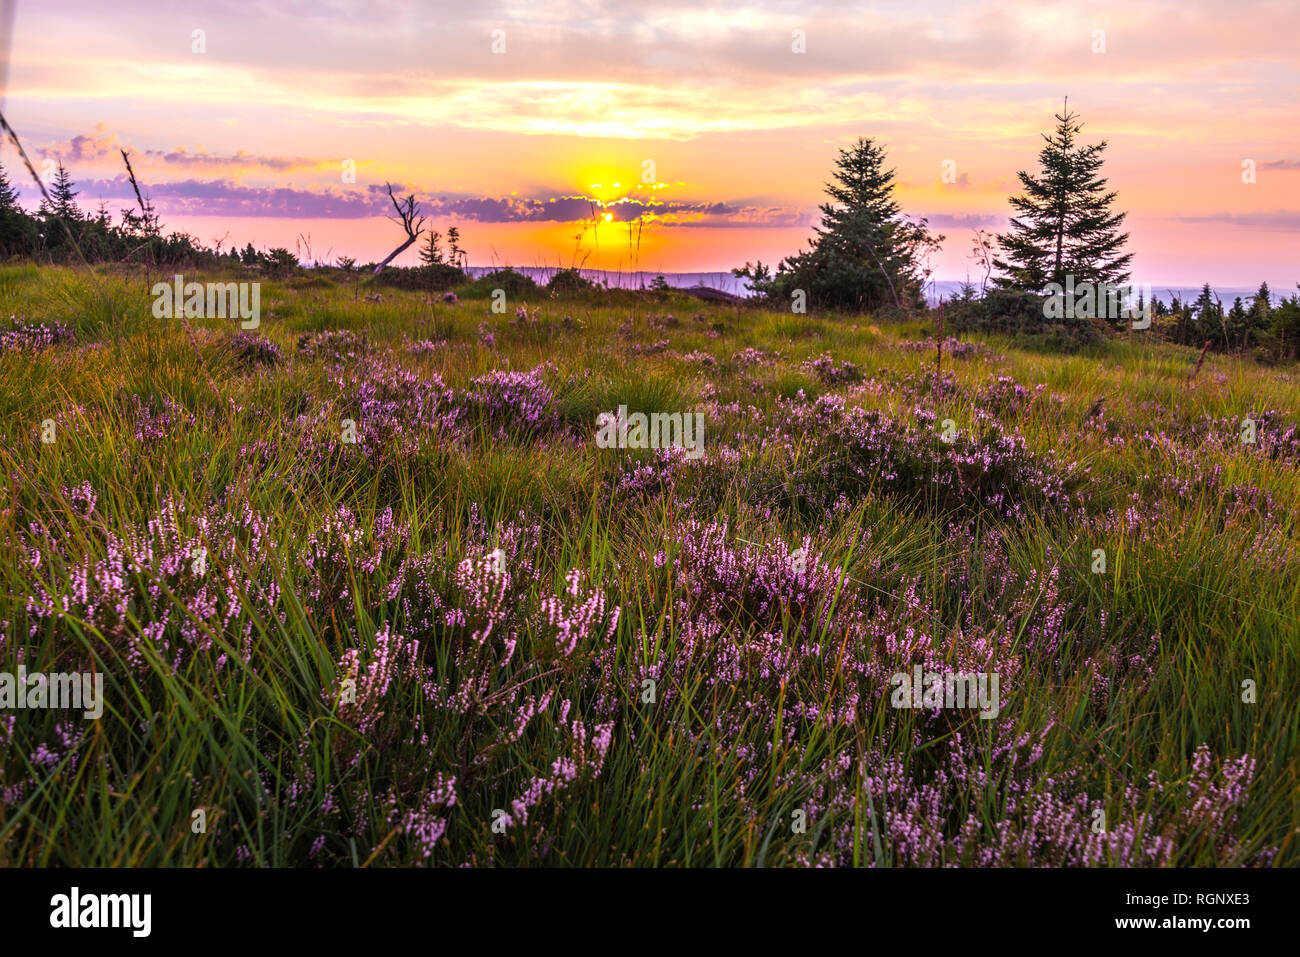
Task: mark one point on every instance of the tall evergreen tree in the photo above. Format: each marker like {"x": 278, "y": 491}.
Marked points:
{"x": 62, "y": 202}
{"x": 1205, "y": 304}
{"x": 431, "y": 254}
{"x": 1237, "y": 322}
{"x": 1064, "y": 225}
{"x": 8, "y": 195}
{"x": 1263, "y": 301}
{"x": 453, "y": 239}
{"x": 17, "y": 230}
{"x": 864, "y": 254}
{"x": 1209, "y": 317}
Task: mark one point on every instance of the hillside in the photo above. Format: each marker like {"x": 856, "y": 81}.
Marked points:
{"x": 472, "y": 635}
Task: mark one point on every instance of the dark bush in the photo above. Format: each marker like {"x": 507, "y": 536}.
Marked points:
{"x": 438, "y": 277}
{"x": 515, "y": 284}
{"x": 280, "y": 262}
{"x": 1015, "y": 313}
{"x": 311, "y": 282}
{"x": 568, "y": 282}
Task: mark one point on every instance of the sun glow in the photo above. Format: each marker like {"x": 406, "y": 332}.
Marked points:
{"x": 603, "y": 182}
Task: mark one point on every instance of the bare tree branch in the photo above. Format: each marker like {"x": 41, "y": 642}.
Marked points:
{"x": 408, "y": 211}
{"x": 144, "y": 209}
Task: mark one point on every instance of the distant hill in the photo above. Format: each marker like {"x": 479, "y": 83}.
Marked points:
{"x": 945, "y": 288}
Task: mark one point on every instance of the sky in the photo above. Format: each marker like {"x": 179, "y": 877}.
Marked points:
{"x": 674, "y": 136}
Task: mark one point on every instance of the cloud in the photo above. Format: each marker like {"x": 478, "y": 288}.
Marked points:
{"x": 227, "y": 197}
{"x": 1282, "y": 219}
{"x": 203, "y": 160}
{"x": 102, "y": 147}
{"x": 192, "y": 197}
{"x": 223, "y": 197}
{"x": 85, "y": 148}
{"x": 966, "y": 220}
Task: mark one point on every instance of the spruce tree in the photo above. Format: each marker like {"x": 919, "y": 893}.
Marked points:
{"x": 59, "y": 215}
{"x": 860, "y": 221}
{"x": 16, "y": 228}
{"x": 1262, "y": 304}
{"x": 1237, "y": 321}
{"x": 453, "y": 239}
{"x": 431, "y": 254}
{"x": 8, "y": 195}
{"x": 62, "y": 203}
{"x": 1209, "y": 317}
{"x": 1064, "y": 225}
{"x": 1205, "y": 305}
{"x": 864, "y": 255}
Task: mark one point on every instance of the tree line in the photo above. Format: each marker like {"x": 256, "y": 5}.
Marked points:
{"x": 61, "y": 232}
{"x": 865, "y": 256}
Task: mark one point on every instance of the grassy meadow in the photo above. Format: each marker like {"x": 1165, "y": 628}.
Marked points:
{"x": 473, "y": 637}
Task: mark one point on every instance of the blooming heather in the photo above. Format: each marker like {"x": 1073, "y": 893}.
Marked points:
{"x": 34, "y": 337}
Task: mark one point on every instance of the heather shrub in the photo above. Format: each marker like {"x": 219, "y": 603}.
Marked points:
{"x": 251, "y": 350}
{"x": 861, "y": 452}
{"x": 752, "y": 587}
{"x": 392, "y": 408}
{"x": 953, "y": 348}
{"x": 33, "y": 337}
{"x": 519, "y": 400}
{"x": 827, "y": 371}
{"x": 336, "y": 344}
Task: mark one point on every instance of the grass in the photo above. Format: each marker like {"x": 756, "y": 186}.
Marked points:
{"x": 515, "y": 719}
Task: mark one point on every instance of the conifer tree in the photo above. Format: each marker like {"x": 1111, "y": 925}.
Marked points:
{"x": 1237, "y": 321}
{"x": 8, "y": 195}
{"x": 62, "y": 203}
{"x": 1263, "y": 301}
{"x": 1064, "y": 225}
{"x": 1205, "y": 305}
{"x": 453, "y": 239}
{"x": 431, "y": 254}
{"x": 1209, "y": 317}
{"x": 16, "y": 228}
{"x": 864, "y": 254}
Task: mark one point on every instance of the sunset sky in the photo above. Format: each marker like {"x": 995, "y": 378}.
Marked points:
{"x": 527, "y": 149}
